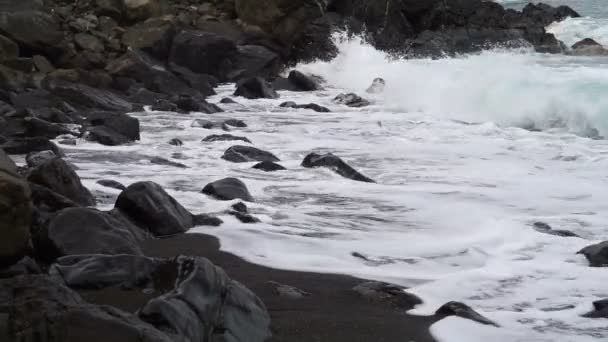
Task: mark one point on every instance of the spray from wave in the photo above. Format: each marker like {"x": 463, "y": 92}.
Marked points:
{"x": 509, "y": 87}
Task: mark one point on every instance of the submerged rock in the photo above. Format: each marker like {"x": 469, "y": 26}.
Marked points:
{"x": 167, "y": 162}
{"x": 243, "y": 154}
{"x": 176, "y": 142}
{"x": 336, "y": 164}
{"x": 463, "y": 311}
{"x": 225, "y": 137}
{"x": 255, "y": 88}
{"x": 313, "y": 106}
{"x": 108, "y": 183}
{"x": 600, "y": 309}
{"x": 597, "y": 254}
{"x": 351, "y": 100}
{"x": 384, "y": 292}
{"x": 268, "y": 166}
{"x": 545, "y": 228}
{"x": 228, "y": 189}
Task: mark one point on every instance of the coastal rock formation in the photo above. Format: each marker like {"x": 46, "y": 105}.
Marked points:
{"x": 243, "y": 154}
{"x": 228, "y": 189}
{"x": 336, "y": 164}
{"x": 464, "y": 311}
{"x": 596, "y": 254}
{"x": 255, "y": 88}
{"x": 268, "y": 166}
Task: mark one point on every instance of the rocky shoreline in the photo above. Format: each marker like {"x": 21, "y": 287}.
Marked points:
{"x": 74, "y": 70}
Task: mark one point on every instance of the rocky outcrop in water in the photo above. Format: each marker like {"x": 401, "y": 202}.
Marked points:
{"x": 228, "y": 189}
{"x": 336, "y": 164}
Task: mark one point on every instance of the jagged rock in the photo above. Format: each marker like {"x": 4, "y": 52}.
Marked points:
{"x": 23, "y": 267}
{"x": 268, "y": 166}
{"x": 202, "y": 83}
{"x": 31, "y": 29}
{"x": 463, "y": 311}
{"x": 302, "y": 82}
{"x": 596, "y": 254}
{"x": 242, "y": 154}
{"x": 188, "y": 104}
{"x": 46, "y": 200}
{"x": 240, "y": 207}
{"x": 80, "y": 95}
{"x": 88, "y": 42}
{"x": 34, "y": 159}
{"x": 108, "y": 183}
{"x": 35, "y": 127}
{"x": 255, "y": 88}
{"x": 351, "y": 100}
{"x": 176, "y": 142}
{"x": 336, "y": 164}
{"x": 163, "y": 105}
{"x": 75, "y": 231}
{"x": 228, "y": 189}
{"x": 15, "y": 213}
{"x": 42, "y": 64}
{"x": 255, "y": 60}
{"x": 40, "y": 308}
{"x": 384, "y": 292}
{"x": 225, "y": 137}
{"x": 313, "y": 106}
{"x": 205, "y": 299}
{"x": 244, "y": 218}
{"x": 545, "y": 228}
{"x": 60, "y": 177}
{"x": 149, "y": 206}
{"x": 191, "y": 47}
{"x": 600, "y": 309}
{"x": 167, "y": 162}
{"x": 113, "y": 128}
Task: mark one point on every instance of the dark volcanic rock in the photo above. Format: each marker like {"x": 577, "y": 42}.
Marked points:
{"x": 243, "y": 217}
{"x": 544, "y": 14}
{"x": 59, "y": 176}
{"x": 303, "y": 82}
{"x": 167, "y": 162}
{"x": 205, "y": 302}
{"x": 545, "y": 228}
{"x": 242, "y": 154}
{"x": 76, "y": 231}
{"x": 113, "y": 128}
{"x": 600, "y": 309}
{"x": 34, "y": 159}
{"x": 176, "y": 142}
{"x": 48, "y": 201}
{"x": 108, "y": 183}
{"x": 597, "y": 254}
{"x": 235, "y": 123}
{"x": 100, "y": 271}
{"x": 153, "y": 36}
{"x": 255, "y": 88}
{"x": 31, "y": 29}
{"x": 228, "y": 189}
{"x": 313, "y": 106}
{"x": 268, "y": 166}
{"x": 588, "y": 47}
{"x": 464, "y": 311}
{"x": 218, "y": 53}
{"x": 351, "y": 100}
{"x": 39, "y": 308}
{"x": 189, "y": 104}
{"x": 227, "y": 100}
{"x": 384, "y": 292}
{"x": 206, "y": 220}
{"x": 83, "y": 96}
{"x": 202, "y": 124}
{"x": 15, "y": 212}
{"x": 255, "y": 60}
{"x": 35, "y": 127}
{"x": 336, "y": 164}
{"x": 225, "y": 137}
{"x": 153, "y": 209}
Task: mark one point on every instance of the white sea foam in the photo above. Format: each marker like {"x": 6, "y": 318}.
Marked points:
{"x": 452, "y": 209}
{"x": 572, "y": 30}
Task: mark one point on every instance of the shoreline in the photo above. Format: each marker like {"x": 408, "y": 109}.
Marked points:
{"x": 332, "y": 311}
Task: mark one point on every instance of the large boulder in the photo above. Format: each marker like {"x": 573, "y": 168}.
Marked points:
{"x": 228, "y": 189}
{"x": 61, "y": 178}
{"x": 153, "y": 209}
{"x": 40, "y": 308}
{"x": 243, "y": 154}
{"x": 76, "y": 231}
{"x": 588, "y": 47}
{"x": 255, "y": 88}
{"x": 8, "y": 49}
{"x": 544, "y": 14}
{"x": 207, "y": 305}
{"x": 31, "y": 29}
{"x": 83, "y": 96}
{"x": 336, "y": 164}
{"x": 15, "y": 212}
{"x": 255, "y": 60}
{"x": 112, "y": 128}
{"x": 204, "y": 53}
{"x": 27, "y": 145}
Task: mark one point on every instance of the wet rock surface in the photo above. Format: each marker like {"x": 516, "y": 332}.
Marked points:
{"x": 336, "y": 164}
